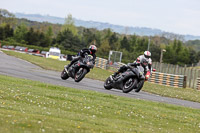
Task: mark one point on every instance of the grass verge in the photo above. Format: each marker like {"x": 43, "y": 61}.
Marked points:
{"x": 30, "y": 106}
{"x": 100, "y": 74}
{"x": 180, "y": 93}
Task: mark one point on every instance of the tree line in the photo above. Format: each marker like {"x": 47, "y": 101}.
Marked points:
{"x": 71, "y": 38}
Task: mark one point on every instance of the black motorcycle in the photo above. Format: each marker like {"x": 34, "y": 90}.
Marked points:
{"x": 79, "y": 69}
{"x": 132, "y": 78}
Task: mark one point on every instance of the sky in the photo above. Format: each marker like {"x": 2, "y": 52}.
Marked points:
{"x": 177, "y": 16}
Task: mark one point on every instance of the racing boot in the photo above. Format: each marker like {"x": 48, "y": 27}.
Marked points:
{"x": 66, "y": 68}
{"x": 113, "y": 76}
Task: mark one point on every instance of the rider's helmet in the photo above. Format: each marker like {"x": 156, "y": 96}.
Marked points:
{"x": 93, "y": 48}
{"x": 147, "y": 54}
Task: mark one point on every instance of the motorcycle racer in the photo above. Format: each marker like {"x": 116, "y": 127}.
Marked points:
{"x": 90, "y": 51}
{"x": 144, "y": 60}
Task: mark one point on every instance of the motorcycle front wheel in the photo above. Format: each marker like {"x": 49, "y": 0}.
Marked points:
{"x": 129, "y": 85}
{"x": 108, "y": 83}
{"x": 80, "y": 74}
{"x": 64, "y": 75}
{"x": 140, "y": 85}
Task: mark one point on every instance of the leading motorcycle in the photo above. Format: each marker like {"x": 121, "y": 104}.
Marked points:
{"x": 79, "y": 69}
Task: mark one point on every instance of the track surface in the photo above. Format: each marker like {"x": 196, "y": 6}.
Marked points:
{"x": 15, "y": 67}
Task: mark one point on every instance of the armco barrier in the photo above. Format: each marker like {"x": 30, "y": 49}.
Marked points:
{"x": 168, "y": 79}
{"x": 198, "y": 84}
{"x": 101, "y": 63}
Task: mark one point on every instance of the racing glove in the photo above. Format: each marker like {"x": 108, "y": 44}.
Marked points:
{"x": 147, "y": 75}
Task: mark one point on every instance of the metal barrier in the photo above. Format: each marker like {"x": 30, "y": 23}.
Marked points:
{"x": 101, "y": 63}
{"x": 168, "y": 79}
{"x": 198, "y": 84}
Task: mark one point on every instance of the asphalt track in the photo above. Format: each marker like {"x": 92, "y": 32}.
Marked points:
{"x": 15, "y": 67}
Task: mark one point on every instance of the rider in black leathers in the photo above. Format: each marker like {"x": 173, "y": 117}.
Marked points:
{"x": 90, "y": 51}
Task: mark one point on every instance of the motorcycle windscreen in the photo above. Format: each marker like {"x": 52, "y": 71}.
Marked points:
{"x": 141, "y": 71}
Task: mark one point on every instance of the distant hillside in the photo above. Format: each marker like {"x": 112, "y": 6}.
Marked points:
{"x": 100, "y": 26}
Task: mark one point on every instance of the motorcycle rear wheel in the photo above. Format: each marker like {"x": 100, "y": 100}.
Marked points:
{"x": 129, "y": 85}
{"x": 64, "y": 75}
{"x": 80, "y": 74}
{"x": 107, "y": 84}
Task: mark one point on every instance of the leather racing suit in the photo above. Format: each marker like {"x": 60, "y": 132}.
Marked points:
{"x": 82, "y": 54}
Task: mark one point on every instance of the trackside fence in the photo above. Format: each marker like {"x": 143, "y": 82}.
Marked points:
{"x": 168, "y": 79}
{"x": 198, "y": 84}
{"x": 101, "y": 63}
{"x": 192, "y": 74}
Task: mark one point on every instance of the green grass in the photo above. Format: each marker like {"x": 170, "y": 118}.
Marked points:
{"x": 30, "y": 106}
{"x": 180, "y": 93}
{"x": 100, "y": 74}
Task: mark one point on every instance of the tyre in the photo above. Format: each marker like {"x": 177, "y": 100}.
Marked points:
{"x": 64, "y": 75}
{"x": 140, "y": 85}
{"x": 80, "y": 74}
{"x": 108, "y": 84}
{"x": 129, "y": 85}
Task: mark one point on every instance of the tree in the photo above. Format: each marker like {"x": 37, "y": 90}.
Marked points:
{"x": 49, "y": 36}
{"x": 2, "y": 34}
{"x": 20, "y": 33}
{"x": 32, "y": 37}
{"x": 125, "y": 43}
{"x": 133, "y": 42}
{"x": 6, "y": 32}
{"x": 88, "y": 37}
{"x": 108, "y": 33}
{"x": 155, "y": 52}
{"x": 69, "y": 25}
{"x": 113, "y": 40}
{"x": 176, "y": 53}
{"x": 104, "y": 48}
{"x": 67, "y": 40}
{"x": 7, "y": 17}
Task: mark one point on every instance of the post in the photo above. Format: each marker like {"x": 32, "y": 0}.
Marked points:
{"x": 191, "y": 76}
{"x": 109, "y": 56}
{"x": 114, "y": 57}
{"x": 184, "y": 70}
{"x": 161, "y": 56}
{"x": 177, "y": 70}
{"x": 185, "y": 82}
{"x": 198, "y": 86}
{"x": 174, "y": 69}
{"x": 121, "y": 57}
{"x": 181, "y": 69}
{"x": 167, "y": 68}
{"x": 160, "y": 67}
{"x": 195, "y": 78}
{"x": 171, "y": 69}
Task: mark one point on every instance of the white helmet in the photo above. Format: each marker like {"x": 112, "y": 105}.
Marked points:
{"x": 93, "y": 48}
{"x": 147, "y": 54}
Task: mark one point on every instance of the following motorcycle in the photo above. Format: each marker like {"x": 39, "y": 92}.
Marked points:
{"x": 132, "y": 78}
{"x": 79, "y": 69}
